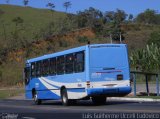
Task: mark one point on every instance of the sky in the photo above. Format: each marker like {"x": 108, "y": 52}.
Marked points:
{"x": 129, "y": 6}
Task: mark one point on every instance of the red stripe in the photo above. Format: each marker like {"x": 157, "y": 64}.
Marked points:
{"x": 110, "y": 71}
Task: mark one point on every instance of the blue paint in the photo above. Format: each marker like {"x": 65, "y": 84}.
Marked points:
{"x": 114, "y": 90}
{"x": 76, "y": 90}
{"x": 103, "y": 63}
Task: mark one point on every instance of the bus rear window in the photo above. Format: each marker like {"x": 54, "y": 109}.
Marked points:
{"x": 110, "y": 57}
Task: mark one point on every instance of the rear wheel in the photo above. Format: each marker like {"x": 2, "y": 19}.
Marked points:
{"x": 35, "y": 98}
{"x": 64, "y": 97}
{"x": 65, "y": 100}
{"x": 101, "y": 100}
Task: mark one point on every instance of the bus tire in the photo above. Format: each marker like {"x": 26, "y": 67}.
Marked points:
{"x": 64, "y": 97}
{"x": 35, "y": 98}
{"x": 99, "y": 100}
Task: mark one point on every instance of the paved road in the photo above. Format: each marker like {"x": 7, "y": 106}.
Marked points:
{"x": 83, "y": 109}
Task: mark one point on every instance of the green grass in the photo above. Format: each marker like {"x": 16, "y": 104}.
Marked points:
{"x": 34, "y": 20}
{"x": 10, "y": 93}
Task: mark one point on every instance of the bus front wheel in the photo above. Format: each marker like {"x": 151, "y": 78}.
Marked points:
{"x": 35, "y": 98}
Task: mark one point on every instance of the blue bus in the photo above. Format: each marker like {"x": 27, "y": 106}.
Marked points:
{"x": 92, "y": 72}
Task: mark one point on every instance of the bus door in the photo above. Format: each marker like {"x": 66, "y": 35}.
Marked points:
{"x": 27, "y": 75}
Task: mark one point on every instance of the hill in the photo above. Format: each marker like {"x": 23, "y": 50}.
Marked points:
{"x": 27, "y": 32}
{"x": 34, "y": 21}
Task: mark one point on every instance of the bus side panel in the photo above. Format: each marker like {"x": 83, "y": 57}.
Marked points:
{"x": 42, "y": 91}
{"x": 49, "y": 87}
{"x": 74, "y": 83}
{"x": 28, "y": 94}
{"x": 87, "y": 65}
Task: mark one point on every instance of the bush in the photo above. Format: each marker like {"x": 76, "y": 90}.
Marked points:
{"x": 154, "y": 38}
{"x": 83, "y": 39}
{"x": 63, "y": 43}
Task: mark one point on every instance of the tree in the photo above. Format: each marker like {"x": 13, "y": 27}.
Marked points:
{"x": 89, "y": 17}
{"x": 118, "y": 17}
{"x": 109, "y": 16}
{"x": 51, "y": 7}
{"x": 25, "y": 2}
{"x": 147, "y": 17}
{"x": 7, "y": 1}
{"x": 130, "y": 17}
{"x": 115, "y": 19}
{"x": 67, "y": 5}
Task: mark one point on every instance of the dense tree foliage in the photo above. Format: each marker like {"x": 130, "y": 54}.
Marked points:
{"x": 148, "y": 17}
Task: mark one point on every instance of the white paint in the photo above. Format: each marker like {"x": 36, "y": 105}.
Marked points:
{"x": 77, "y": 95}
{"x": 96, "y": 75}
{"x": 71, "y": 95}
{"x": 101, "y": 84}
{"x": 57, "y": 92}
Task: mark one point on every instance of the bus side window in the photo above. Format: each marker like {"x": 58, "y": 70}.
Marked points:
{"x": 79, "y": 62}
{"x": 69, "y": 63}
{"x": 33, "y": 69}
{"x": 60, "y": 65}
{"x": 45, "y": 67}
{"x": 38, "y": 68}
{"x": 52, "y": 69}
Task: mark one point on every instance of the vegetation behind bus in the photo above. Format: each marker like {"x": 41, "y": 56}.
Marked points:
{"x": 24, "y": 37}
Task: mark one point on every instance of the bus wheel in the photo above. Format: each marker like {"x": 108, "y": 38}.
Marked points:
{"x": 99, "y": 100}
{"x": 64, "y": 97}
{"x": 35, "y": 98}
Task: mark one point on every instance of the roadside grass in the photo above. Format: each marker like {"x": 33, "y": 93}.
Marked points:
{"x": 10, "y": 93}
